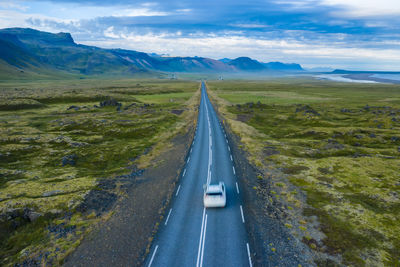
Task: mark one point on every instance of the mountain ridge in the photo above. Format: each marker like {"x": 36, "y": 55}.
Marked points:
{"x": 25, "y": 49}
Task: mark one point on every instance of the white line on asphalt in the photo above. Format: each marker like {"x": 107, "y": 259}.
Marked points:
{"x": 233, "y": 168}
{"x": 229, "y": 148}
{"x": 248, "y": 254}
{"x": 237, "y": 188}
{"x": 231, "y": 158}
{"x": 177, "y": 191}
{"x": 241, "y": 211}
{"x": 184, "y": 172}
{"x": 225, "y": 135}
{"x": 191, "y": 150}
{"x": 226, "y": 140}
{"x": 169, "y": 213}
{"x": 152, "y": 257}
{"x": 201, "y": 238}
{"x": 204, "y": 238}
{"x": 188, "y": 160}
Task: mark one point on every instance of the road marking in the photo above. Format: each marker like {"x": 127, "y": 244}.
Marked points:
{"x": 241, "y": 211}
{"x": 248, "y": 254}
{"x": 225, "y": 135}
{"x": 226, "y": 141}
{"x": 231, "y": 158}
{"x": 191, "y": 150}
{"x": 202, "y": 246}
{"x": 184, "y": 172}
{"x": 229, "y": 148}
{"x": 169, "y": 213}
{"x": 152, "y": 257}
{"x": 201, "y": 238}
{"x": 177, "y": 191}
{"x": 233, "y": 168}
{"x": 188, "y": 160}
{"x": 237, "y": 188}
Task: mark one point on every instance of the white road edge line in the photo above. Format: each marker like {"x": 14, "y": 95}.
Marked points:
{"x": 191, "y": 150}
{"x": 248, "y": 253}
{"x": 184, "y": 172}
{"x": 237, "y": 188}
{"x": 233, "y": 168}
{"x": 229, "y": 148}
{"x": 188, "y": 160}
{"x": 177, "y": 191}
{"x": 231, "y": 158}
{"x": 241, "y": 211}
{"x": 201, "y": 238}
{"x": 204, "y": 238}
{"x": 152, "y": 257}
{"x": 169, "y": 213}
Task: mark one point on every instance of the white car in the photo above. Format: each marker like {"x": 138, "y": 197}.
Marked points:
{"x": 214, "y": 195}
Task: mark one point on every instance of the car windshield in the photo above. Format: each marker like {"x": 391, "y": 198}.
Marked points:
{"x": 214, "y": 194}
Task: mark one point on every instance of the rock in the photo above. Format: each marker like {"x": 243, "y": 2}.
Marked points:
{"x": 33, "y": 216}
{"x": 52, "y": 193}
{"x": 345, "y": 110}
{"x": 78, "y": 144}
{"x": 380, "y": 126}
{"x": 307, "y": 110}
{"x": 69, "y": 160}
{"x": 394, "y": 138}
{"x": 394, "y": 119}
{"x": 76, "y": 108}
{"x": 372, "y": 135}
{"x": 95, "y": 106}
{"x": 366, "y": 108}
{"x": 358, "y": 136}
{"x": 110, "y": 102}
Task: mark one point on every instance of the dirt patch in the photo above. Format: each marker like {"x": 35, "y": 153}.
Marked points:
{"x": 124, "y": 239}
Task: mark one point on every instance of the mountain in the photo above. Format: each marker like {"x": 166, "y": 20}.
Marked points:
{"x": 28, "y": 51}
{"x": 283, "y": 66}
{"x": 246, "y": 64}
{"x": 225, "y": 60}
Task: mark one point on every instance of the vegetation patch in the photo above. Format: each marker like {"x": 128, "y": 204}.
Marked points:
{"x": 69, "y": 149}
{"x": 337, "y": 143}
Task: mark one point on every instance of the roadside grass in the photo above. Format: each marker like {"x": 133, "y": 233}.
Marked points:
{"x": 337, "y": 142}
{"x": 57, "y": 143}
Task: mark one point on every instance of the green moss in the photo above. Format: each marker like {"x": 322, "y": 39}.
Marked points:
{"x": 337, "y": 142}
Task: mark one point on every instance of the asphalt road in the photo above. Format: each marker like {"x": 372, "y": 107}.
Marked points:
{"x": 191, "y": 235}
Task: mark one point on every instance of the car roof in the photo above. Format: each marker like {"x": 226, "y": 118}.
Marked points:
{"x": 214, "y": 188}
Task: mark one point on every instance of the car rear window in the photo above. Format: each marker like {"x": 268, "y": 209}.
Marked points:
{"x": 214, "y": 194}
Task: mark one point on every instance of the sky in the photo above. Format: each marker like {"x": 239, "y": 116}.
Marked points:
{"x": 346, "y": 34}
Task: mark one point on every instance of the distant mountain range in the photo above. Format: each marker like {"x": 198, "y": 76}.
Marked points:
{"x": 28, "y": 51}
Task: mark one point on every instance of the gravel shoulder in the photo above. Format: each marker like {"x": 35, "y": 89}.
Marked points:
{"x": 124, "y": 239}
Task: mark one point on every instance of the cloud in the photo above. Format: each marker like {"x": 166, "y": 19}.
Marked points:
{"x": 365, "y": 8}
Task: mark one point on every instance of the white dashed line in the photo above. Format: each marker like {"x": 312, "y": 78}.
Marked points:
{"x": 152, "y": 257}
{"x": 231, "y": 158}
{"x": 179, "y": 187}
{"x": 169, "y": 213}
{"x": 184, "y": 172}
{"x": 188, "y": 160}
{"x": 248, "y": 254}
{"x": 233, "y": 168}
{"x": 237, "y": 188}
{"x": 191, "y": 150}
{"x": 241, "y": 212}
{"x": 229, "y": 148}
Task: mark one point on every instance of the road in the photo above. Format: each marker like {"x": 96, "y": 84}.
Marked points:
{"x": 191, "y": 235}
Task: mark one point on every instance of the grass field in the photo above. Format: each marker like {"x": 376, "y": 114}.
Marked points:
{"x": 59, "y": 145}
{"x": 338, "y": 143}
